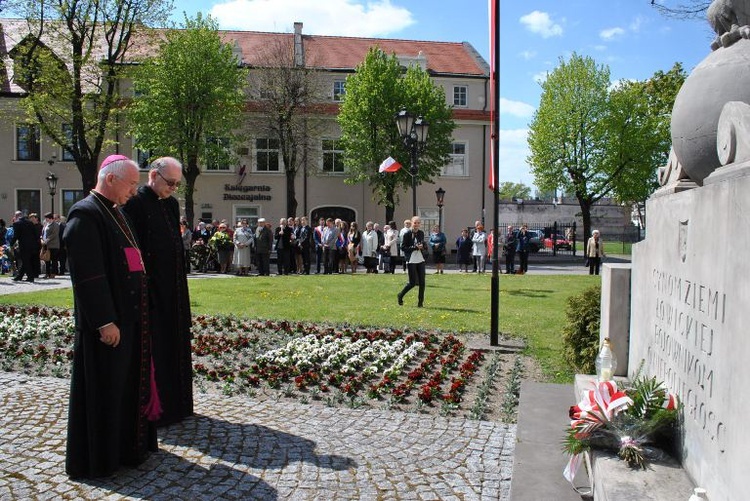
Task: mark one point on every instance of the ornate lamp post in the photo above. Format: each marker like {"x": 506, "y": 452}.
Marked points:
{"x": 413, "y": 132}
{"x": 440, "y": 195}
{"x": 52, "y": 183}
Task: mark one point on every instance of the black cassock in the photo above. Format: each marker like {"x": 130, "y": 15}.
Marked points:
{"x": 157, "y": 224}
{"x": 110, "y": 386}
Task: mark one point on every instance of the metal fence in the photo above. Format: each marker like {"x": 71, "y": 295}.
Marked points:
{"x": 548, "y": 238}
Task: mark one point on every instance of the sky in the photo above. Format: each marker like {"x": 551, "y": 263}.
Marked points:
{"x": 629, "y": 36}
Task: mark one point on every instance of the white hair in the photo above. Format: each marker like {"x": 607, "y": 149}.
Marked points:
{"x": 118, "y": 168}
{"x": 595, "y": 232}
{"x": 162, "y": 162}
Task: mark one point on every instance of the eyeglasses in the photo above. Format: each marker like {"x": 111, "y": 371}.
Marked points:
{"x": 171, "y": 184}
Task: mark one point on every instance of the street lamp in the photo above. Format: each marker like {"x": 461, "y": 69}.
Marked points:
{"x": 413, "y": 131}
{"x": 440, "y": 195}
{"x": 52, "y": 184}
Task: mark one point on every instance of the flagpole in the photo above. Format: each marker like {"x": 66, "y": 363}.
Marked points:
{"x": 495, "y": 141}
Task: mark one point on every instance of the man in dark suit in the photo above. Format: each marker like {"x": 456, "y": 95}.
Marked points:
{"x": 155, "y": 214}
{"x": 29, "y": 245}
{"x": 113, "y": 397}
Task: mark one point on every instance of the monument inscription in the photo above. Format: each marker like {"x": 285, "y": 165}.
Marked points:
{"x": 688, "y": 317}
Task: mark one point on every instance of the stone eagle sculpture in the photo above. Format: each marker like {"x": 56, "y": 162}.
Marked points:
{"x": 730, "y": 19}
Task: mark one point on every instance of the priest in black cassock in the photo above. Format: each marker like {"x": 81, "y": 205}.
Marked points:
{"x": 113, "y": 401}
{"x": 156, "y": 218}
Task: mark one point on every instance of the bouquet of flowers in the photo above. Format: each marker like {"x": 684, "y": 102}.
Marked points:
{"x": 221, "y": 241}
{"x": 626, "y": 421}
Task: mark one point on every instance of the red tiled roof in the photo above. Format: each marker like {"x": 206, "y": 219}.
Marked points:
{"x": 345, "y": 53}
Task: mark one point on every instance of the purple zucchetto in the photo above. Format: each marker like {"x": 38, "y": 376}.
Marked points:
{"x": 112, "y": 158}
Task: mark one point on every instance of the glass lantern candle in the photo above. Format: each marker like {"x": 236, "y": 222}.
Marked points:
{"x": 606, "y": 362}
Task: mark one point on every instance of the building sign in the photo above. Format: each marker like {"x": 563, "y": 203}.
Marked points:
{"x": 252, "y": 193}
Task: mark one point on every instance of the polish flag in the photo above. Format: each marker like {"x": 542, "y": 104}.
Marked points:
{"x": 389, "y": 165}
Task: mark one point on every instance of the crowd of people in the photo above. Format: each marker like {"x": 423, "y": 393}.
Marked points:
{"x": 333, "y": 246}
{"x": 28, "y": 243}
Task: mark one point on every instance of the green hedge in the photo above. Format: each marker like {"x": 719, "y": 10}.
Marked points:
{"x": 581, "y": 332}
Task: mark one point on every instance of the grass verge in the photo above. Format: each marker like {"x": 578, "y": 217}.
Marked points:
{"x": 531, "y": 307}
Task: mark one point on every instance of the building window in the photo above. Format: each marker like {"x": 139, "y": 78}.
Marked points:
{"x": 460, "y": 95}
{"x": 430, "y": 217}
{"x": 67, "y": 156}
{"x": 27, "y": 142}
{"x": 29, "y": 201}
{"x": 69, "y": 197}
{"x": 333, "y": 157}
{"x": 218, "y": 156}
{"x": 457, "y": 166}
{"x": 339, "y": 90}
{"x": 251, "y": 213}
{"x": 267, "y": 155}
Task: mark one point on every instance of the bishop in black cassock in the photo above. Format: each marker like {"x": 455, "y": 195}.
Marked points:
{"x": 156, "y": 218}
{"x": 111, "y": 390}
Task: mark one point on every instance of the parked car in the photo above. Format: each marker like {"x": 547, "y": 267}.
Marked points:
{"x": 560, "y": 242}
{"x": 536, "y": 240}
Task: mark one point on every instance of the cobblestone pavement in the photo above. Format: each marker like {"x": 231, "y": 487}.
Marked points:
{"x": 238, "y": 448}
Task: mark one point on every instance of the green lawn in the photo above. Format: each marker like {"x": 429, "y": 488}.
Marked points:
{"x": 530, "y": 307}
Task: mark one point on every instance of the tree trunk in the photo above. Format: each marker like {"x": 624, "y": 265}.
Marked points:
{"x": 89, "y": 170}
{"x": 585, "y": 205}
{"x": 390, "y": 204}
{"x": 191, "y": 172}
{"x": 291, "y": 193}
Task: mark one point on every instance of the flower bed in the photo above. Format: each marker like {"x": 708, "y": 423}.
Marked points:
{"x": 407, "y": 370}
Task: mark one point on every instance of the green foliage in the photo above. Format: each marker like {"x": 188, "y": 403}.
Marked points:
{"x": 581, "y": 332}
{"x": 509, "y": 191}
{"x": 188, "y": 99}
{"x": 639, "y": 130}
{"x": 593, "y": 140}
{"x": 71, "y": 65}
{"x": 374, "y": 94}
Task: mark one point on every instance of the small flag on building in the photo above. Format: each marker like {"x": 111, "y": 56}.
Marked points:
{"x": 389, "y": 165}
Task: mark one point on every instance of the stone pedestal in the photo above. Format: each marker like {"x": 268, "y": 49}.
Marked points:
{"x": 615, "y": 304}
{"x": 690, "y": 313}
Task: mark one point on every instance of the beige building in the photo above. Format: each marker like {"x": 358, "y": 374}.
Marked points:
{"x": 255, "y": 186}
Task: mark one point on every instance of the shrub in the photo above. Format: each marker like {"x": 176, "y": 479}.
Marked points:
{"x": 581, "y": 332}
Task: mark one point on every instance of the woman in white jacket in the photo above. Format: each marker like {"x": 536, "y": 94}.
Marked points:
{"x": 594, "y": 252}
{"x": 370, "y": 248}
{"x": 479, "y": 247}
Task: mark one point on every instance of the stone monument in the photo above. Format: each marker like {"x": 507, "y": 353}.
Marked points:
{"x": 690, "y": 296}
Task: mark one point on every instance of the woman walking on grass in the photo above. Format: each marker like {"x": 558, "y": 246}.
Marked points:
{"x": 412, "y": 245}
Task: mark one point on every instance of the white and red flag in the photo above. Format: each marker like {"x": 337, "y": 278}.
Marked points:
{"x": 389, "y": 165}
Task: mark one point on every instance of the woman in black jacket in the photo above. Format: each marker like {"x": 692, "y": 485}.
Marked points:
{"x": 412, "y": 245}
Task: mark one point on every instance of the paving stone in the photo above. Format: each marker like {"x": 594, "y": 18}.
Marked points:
{"x": 239, "y": 448}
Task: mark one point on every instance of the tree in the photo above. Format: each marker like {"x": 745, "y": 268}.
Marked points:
{"x": 510, "y": 191}
{"x": 70, "y": 65}
{"x": 645, "y": 114}
{"x": 374, "y": 94}
{"x": 593, "y": 141}
{"x": 693, "y": 9}
{"x": 289, "y": 89}
{"x": 189, "y": 100}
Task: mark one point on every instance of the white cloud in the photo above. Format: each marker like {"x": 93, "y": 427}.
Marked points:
{"x": 515, "y": 108}
{"x": 514, "y": 149}
{"x": 540, "y": 23}
{"x": 611, "y": 33}
{"x": 540, "y": 77}
{"x": 600, "y": 48}
{"x": 332, "y": 17}
{"x": 528, "y": 54}
{"x": 617, "y": 83}
{"x": 635, "y": 24}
